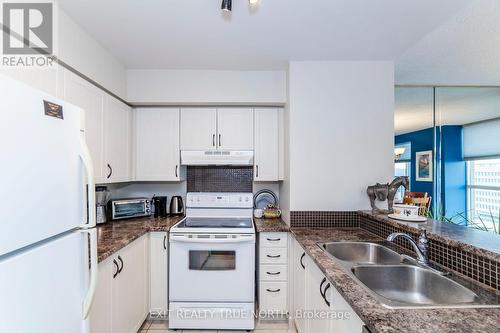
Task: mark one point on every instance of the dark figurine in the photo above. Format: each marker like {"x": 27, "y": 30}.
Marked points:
{"x": 387, "y": 192}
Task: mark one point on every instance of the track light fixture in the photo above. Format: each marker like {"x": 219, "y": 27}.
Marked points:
{"x": 226, "y": 5}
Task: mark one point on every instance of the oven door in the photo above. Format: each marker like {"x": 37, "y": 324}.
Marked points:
{"x": 212, "y": 268}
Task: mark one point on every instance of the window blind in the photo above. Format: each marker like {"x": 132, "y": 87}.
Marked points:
{"x": 482, "y": 140}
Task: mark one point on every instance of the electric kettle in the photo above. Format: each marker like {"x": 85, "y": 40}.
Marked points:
{"x": 176, "y": 206}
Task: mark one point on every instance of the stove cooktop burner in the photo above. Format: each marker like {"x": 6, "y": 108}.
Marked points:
{"x": 211, "y": 222}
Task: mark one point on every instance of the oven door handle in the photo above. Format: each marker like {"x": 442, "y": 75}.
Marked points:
{"x": 211, "y": 240}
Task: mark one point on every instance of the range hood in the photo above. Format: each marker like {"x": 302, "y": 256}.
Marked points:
{"x": 217, "y": 157}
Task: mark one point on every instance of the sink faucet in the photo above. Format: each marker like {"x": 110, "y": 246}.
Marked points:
{"x": 421, "y": 248}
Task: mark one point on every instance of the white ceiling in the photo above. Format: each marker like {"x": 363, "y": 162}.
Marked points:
{"x": 454, "y": 106}
{"x": 194, "y": 34}
{"x": 465, "y": 50}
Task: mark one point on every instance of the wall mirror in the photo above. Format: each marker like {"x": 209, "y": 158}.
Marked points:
{"x": 447, "y": 141}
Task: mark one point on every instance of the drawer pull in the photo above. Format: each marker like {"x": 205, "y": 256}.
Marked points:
{"x": 274, "y": 239}
{"x": 273, "y": 273}
{"x": 274, "y": 290}
{"x": 301, "y": 262}
{"x": 273, "y": 256}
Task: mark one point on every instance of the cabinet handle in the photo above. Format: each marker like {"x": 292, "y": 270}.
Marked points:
{"x": 121, "y": 268}
{"x": 220, "y": 140}
{"x": 301, "y": 262}
{"x": 110, "y": 171}
{"x": 176, "y": 169}
{"x": 324, "y": 295}
{"x": 274, "y": 239}
{"x": 213, "y": 140}
{"x": 273, "y": 290}
{"x": 321, "y": 287}
{"x": 117, "y": 268}
{"x": 273, "y": 273}
{"x": 165, "y": 242}
{"x": 257, "y": 171}
{"x": 273, "y": 256}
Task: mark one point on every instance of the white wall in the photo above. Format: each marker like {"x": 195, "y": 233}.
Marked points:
{"x": 206, "y": 87}
{"x": 79, "y": 50}
{"x": 85, "y": 54}
{"x": 341, "y": 132}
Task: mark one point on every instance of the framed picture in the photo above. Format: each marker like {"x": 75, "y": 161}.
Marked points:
{"x": 424, "y": 166}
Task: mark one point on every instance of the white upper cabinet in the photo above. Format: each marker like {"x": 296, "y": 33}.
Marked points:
{"x": 211, "y": 129}
{"x": 267, "y": 141}
{"x": 79, "y": 92}
{"x": 235, "y": 128}
{"x": 198, "y": 128}
{"x": 117, "y": 141}
{"x": 157, "y": 155}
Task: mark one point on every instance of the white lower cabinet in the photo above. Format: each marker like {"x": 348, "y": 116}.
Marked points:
{"x": 122, "y": 299}
{"x": 318, "y": 300}
{"x": 326, "y": 310}
{"x": 298, "y": 266}
{"x": 273, "y": 273}
{"x": 351, "y": 322}
{"x": 158, "y": 300}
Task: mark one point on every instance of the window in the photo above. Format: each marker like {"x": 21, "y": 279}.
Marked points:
{"x": 402, "y": 164}
{"x": 483, "y": 192}
{"x": 401, "y": 169}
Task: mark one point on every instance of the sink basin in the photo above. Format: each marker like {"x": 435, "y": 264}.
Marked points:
{"x": 361, "y": 253}
{"x": 411, "y": 285}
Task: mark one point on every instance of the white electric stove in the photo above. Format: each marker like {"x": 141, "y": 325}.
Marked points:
{"x": 212, "y": 263}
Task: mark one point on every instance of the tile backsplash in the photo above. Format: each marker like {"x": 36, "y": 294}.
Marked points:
{"x": 323, "y": 219}
{"x": 219, "y": 179}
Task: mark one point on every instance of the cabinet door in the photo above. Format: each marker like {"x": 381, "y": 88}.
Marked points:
{"x": 86, "y": 96}
{"x": 117, "y": 141}
{"x": 130, "y": 288}
{"x": 157, "y": 155}
{"x": 198, "y": 128}
{"x": 266, "y": 145}
{"x": 158, "y": 274}
{"x": 351, "y": 324}
{"x": 101, "y": 311}
{"x": 316, "y": 302}
{"x": 299, "y": 280}
{"x": 235, "y": 129}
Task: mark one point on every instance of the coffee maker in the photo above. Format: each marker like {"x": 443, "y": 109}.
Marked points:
{"x": 101, "y": 199}
{"x": 160, "y": 205}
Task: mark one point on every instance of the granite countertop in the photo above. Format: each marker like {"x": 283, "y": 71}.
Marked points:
{"x": 270, "y": 225}
{"x": 378, "y": 318}
{"x": 115, "y": 235}
{"x": 482, "y": 243}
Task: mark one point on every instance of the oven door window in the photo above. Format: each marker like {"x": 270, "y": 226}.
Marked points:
{"x": 129, "y": 209}
{"x": 212, "y": 260}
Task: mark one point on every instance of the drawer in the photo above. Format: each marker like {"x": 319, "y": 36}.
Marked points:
{"x": 271, "y": 255}
{"x": 273, "y": 239}
{"x": 273, "y": 272}
{"x": 273, "y": 296}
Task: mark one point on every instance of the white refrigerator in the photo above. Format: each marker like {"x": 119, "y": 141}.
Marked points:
{"x": 48, "y": 246}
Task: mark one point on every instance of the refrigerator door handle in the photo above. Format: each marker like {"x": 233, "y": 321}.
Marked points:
{"x": 89, "y": 298}
{"x": 89, "y": 168}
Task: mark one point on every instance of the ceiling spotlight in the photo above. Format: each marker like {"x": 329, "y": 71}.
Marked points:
{"x": 226, "y": 5}
{"x": 253, "y": 2}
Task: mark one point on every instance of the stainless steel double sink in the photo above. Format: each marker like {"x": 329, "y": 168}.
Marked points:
{"x": 397, "y": 281}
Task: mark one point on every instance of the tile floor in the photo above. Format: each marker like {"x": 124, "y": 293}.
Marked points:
{"x": 161, "y": 326}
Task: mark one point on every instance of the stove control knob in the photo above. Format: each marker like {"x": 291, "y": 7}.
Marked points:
{"x": 246, "y": 199}
{"x": 240, "y": 199}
